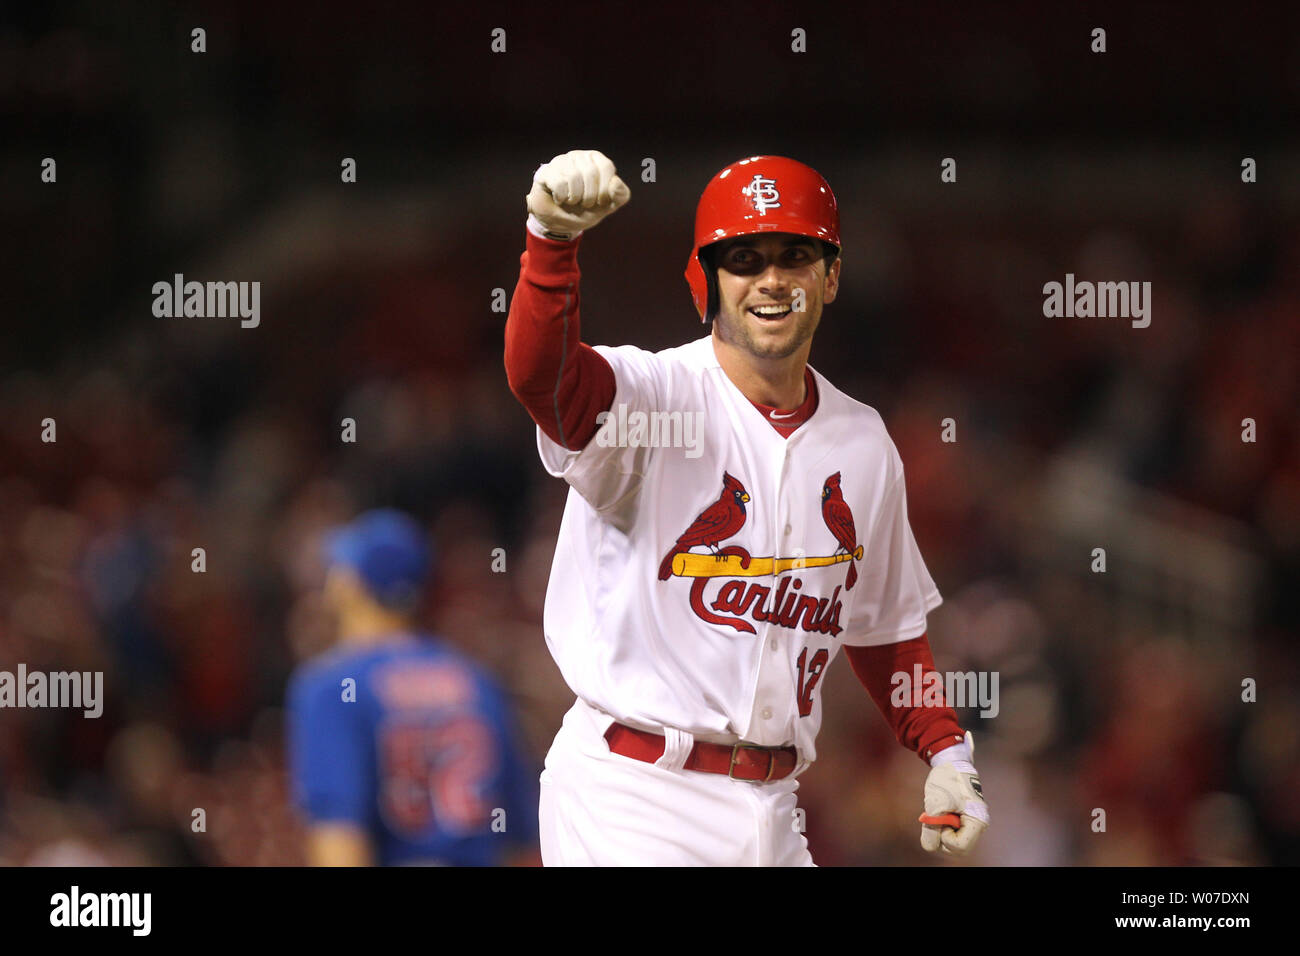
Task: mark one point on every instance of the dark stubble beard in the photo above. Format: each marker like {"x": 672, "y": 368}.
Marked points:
{"x": 737, "y": 333}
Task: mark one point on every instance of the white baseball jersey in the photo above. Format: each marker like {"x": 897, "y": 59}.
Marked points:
{"x": 724, "y": 626}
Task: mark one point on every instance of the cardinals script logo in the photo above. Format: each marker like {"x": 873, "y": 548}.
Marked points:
{"x": 735, "y": 599}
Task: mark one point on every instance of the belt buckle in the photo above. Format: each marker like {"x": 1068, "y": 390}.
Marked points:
{"x": 771, "y": 759}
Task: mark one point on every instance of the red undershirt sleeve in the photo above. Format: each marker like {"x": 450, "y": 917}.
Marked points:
{"x": 923, "y": 730}
{"x": 563, "y": 383}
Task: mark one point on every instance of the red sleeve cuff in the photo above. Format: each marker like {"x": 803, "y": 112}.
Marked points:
{"x": 923, "y": 730}
{"x": 550, "y": 263}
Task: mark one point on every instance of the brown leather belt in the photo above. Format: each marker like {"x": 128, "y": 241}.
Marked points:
{"x": 738, "y": 761}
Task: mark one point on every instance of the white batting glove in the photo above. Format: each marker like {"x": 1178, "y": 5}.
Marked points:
{"x": 573, "y": 192}
{"x": 956, "y": 814}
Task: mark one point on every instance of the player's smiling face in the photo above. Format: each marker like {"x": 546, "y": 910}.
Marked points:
{"x": 758, "y": 282}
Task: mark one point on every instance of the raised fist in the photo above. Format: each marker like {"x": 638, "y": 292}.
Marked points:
{"x": 575, "y": 191}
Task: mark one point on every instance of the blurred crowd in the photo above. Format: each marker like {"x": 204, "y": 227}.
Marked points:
{"x": 157, "y": 455}
{"x": 174, "y": 435}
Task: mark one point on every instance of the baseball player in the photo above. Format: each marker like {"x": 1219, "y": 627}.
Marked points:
{"x": 402, "y": 751}
{"x": 701, "y": 588}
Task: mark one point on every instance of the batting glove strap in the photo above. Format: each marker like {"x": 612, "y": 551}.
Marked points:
{"x": 956, "y": 754}
{"x": 538, "y": 228}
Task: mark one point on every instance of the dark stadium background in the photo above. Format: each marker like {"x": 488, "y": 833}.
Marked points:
{"x": 1120, "y": 691}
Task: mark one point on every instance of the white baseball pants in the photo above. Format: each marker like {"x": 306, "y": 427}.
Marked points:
{"x": 603, "y": 809}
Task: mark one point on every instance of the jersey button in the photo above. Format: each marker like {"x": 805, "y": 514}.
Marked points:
{"x": 766, "y": 713}
{"x": 788, "y": 529}
{"x": 773, "y": 644}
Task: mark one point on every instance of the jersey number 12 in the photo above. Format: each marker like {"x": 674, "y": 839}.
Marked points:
{"x": 808, "y": 679}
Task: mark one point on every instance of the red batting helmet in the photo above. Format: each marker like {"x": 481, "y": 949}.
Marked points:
{"x": 756, "y": 195}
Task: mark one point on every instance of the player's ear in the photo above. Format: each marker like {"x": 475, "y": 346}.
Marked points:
{"x": 832, "y": 286}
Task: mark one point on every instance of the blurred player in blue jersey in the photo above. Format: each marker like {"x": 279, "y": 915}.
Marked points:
{"x": 401, "y": 749}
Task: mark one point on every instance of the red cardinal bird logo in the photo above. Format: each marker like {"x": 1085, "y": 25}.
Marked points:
{"x": 838, "y": 517}
{"x": 718, "y": 521}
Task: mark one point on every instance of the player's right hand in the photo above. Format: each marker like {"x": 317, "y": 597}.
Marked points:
{"x": 575, "y": 191}
{"x": 956, "y": 813}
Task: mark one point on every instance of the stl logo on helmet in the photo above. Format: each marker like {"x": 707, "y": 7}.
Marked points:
{"x": 762, "y": 193}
